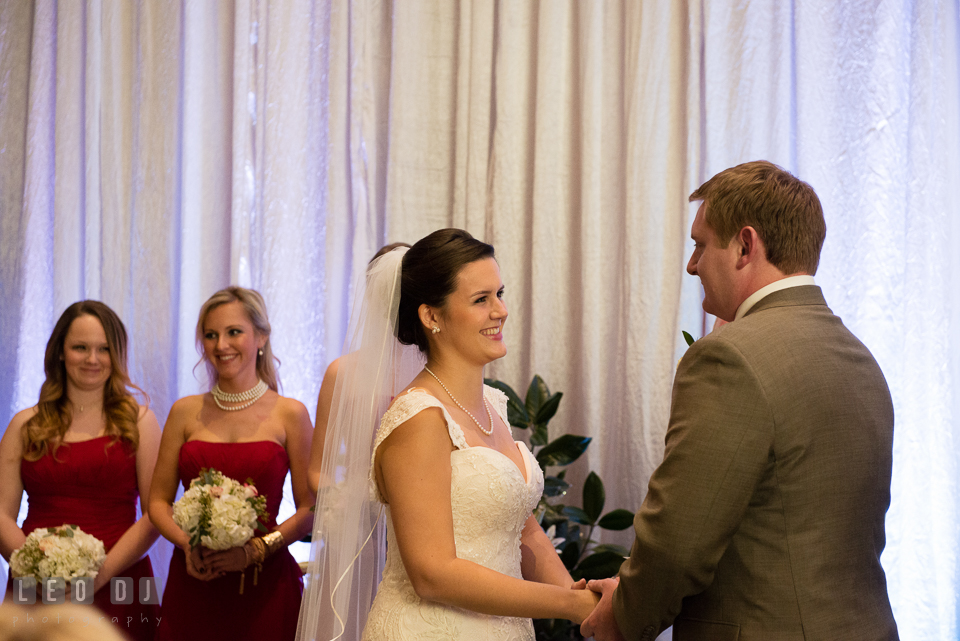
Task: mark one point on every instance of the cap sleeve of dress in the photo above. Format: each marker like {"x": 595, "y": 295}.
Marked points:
{"x": 405, "y": 407}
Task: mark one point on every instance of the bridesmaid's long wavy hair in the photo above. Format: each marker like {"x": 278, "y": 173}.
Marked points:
{"x": 256, "y": 310}
{"x": 45, "y": 430}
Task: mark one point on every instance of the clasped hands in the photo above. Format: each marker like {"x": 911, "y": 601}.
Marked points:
{"x": 206, "y": 564}
{"x": 601, "y": 624}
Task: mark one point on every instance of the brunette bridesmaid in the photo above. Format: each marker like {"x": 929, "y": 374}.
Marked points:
{"x": 84, "y": 454}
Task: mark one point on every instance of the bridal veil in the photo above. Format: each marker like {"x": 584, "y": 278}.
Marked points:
{"x": 348, "y": 547}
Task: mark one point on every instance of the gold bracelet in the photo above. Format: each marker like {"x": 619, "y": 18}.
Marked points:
{"x": 272, "y": 542}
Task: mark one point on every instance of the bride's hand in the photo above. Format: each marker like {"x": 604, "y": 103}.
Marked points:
{"x": 586, "y": 601}
{"x": 579, "y": 585}
{"x": 602, "y": 624}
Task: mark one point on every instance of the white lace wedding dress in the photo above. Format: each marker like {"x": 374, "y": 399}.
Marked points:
{"x": 491, "y": 501}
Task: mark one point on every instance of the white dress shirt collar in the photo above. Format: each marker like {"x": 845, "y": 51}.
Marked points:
{"x": 776, "y": 286}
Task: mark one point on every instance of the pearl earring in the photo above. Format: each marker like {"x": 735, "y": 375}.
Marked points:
{"x": 259, "y": 352}
{"x": 435, "y": 330}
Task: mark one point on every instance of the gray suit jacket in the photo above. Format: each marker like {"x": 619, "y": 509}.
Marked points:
{"x": 765, "y": 519}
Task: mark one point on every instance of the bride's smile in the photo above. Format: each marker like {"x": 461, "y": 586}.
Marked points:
{"x": 472, "y": 320}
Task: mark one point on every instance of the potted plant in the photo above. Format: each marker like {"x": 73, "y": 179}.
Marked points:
{"x": 570, "y": 527}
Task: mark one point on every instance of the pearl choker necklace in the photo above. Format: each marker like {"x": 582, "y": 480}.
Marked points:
{"x": 248, "y": 398}
{"x": 488, "y": 432}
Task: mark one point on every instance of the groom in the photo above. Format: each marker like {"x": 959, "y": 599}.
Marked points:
{"x": 765, "y": 519}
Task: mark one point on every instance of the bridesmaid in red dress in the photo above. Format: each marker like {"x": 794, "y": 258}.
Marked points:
{"x": 244, "y": 429}
{"x": 84, "y": 454}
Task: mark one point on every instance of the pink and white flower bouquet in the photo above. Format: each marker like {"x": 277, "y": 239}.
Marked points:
{"x": 65, "y": 552}
{"x": 219, "y": 512}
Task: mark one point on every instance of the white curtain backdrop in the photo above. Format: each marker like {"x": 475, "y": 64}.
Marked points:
{"x": 153, "y": 152}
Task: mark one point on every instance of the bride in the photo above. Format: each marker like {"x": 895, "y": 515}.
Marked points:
{"x": 465, "y": 558}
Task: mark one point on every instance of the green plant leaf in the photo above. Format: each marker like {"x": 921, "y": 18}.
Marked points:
{"x": 570, "y": 554}
{"x": 687, "y": 337}
{"x": 539, "y": 436}
{"x": 563, "y": 450}
{"x": 553, "y": 486}
{"x": 616, "y": 520}
{"x": 552, "y": 515}
{"x": 537, "y": 395}
{"x": 599, "y": 565}
{"x": 516, "y": 412}
{"x": 577, "y": 515}
{"x": 568, "y": 530}
{"x": 594, "y": 496}
{"x": 548, "y": 409}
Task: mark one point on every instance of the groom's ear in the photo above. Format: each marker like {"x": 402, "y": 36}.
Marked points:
{"x": 429, "y": 316}
{"x": 751, "y": 246}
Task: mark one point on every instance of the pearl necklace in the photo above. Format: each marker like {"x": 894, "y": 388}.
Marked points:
{"x": 488, "y": 432}
{"x": 251, "y": 396}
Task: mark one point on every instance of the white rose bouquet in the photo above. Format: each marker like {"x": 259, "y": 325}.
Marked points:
{"x": 63, "y": 552}
{"x": 218, "y": 512}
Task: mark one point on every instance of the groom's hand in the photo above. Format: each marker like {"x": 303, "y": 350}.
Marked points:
{"x": 602, "y": 624}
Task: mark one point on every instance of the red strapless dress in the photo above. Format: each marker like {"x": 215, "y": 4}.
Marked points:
{"x": 210, "y": 610}
{"x": 93, "y": 484}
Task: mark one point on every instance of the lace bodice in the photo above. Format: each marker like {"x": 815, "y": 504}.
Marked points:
{"x": 490, "y": 501}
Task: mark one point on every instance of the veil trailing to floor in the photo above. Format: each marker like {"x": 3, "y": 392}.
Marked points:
{"x": 349, "y": 542}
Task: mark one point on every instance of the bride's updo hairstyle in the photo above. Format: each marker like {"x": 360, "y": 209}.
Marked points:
{"x": 429, "y": 274}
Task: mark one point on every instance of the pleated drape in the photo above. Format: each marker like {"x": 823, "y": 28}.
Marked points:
{"x": 151, "y": 153}
{"x": 532, "y": 125}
